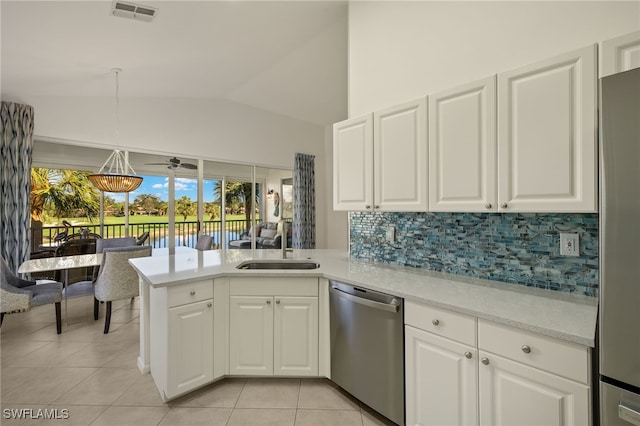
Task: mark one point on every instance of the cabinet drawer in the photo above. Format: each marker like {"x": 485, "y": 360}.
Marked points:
{"x": 546, "y": 353}
{"x": 282, "y": 286}
{"x": 452, "y": 325}
{"x": 190, "y": 292}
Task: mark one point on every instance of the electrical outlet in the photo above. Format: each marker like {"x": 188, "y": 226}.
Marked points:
{"x": 391, "y": 234}
{"x": 569, "y": 244}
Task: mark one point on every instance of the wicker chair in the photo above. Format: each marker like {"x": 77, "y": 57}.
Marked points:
{"x": 18, "y": 295}
{"x": 117, "y": 278}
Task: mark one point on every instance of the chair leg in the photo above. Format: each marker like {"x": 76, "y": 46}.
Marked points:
{"x": 107, "y": 318}
{"x": 96, "y": 307}
{"x": 58, "y": 318}
{"x": 1, "y": 318}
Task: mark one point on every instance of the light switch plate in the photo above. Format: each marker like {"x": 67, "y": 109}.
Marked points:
{"x": 569, "y": 244}
{"x": 391, "y": 233}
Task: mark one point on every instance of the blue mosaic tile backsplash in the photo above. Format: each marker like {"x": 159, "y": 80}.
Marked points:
{"x": 518, "y": 248}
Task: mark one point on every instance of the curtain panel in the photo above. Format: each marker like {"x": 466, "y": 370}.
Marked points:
{"x": 15, "y": 182}
{"x": 304, "y": 202}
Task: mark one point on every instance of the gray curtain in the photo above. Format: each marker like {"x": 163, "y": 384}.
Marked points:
{"x": 304, "y": 202}
{"x": 15, "y": 182}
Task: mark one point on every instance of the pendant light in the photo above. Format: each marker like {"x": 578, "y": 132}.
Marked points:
{"x": 116, "y": 178}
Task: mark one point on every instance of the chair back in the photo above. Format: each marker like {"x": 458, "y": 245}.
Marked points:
{"x": 205, "y": 242}
{"x": 104, "y": 243}
{"x": 117, "y": 278}
{"x": 72, "y": 248}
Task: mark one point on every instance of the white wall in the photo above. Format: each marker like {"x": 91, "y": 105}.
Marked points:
{"x": 402, "y": 50}
{"x": 337, "y": 222}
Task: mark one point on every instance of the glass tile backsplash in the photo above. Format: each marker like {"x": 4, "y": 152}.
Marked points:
{"x": 518, "y": 248}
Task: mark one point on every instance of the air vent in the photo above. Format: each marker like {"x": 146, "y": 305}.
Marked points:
{"x": 133, "y": 11}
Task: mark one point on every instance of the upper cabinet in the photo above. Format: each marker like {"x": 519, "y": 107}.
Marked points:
{"x": 547, "y": 135}
{"x": 462, "y": 148}
{"x": 620, "y": 54}
{"x": 380, "y": 160}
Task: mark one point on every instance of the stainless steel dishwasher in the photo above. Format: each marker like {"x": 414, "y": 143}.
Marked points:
{"x": 367, "y": 347}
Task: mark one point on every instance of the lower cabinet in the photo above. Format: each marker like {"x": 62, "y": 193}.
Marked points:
{"x": 510, "y": 377}
{"x": 181, "y": 337}
{"x": 275, "y": 333}
{"x": 441, "y": 380}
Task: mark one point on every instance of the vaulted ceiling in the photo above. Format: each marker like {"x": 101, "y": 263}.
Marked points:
{"x": 288, "y": 57}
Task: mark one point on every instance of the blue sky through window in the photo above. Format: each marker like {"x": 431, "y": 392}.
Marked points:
{"x": 159, "y": 186}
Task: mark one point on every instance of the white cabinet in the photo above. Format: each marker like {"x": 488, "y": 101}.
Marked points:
{"x": 441, "y": 367}
{"x": 181, "y": 337}
{"x": 273, "y": 326}
{"x": 380, "y": 160}
{"x": 353, "y": 164}
{"x": 528, "y": 379}
{"x": 547, "y": 135}
{"x": 462, "y": 148}
{"x": 620, "y": 54}
{"x": 509, "y": 377}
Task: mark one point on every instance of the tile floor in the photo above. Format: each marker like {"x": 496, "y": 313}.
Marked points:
{"x": 94, "y": 376}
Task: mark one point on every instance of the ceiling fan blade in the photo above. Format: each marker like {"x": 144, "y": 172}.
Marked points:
{"x": 155, "y": 164}
{"x": 188, "y": 166}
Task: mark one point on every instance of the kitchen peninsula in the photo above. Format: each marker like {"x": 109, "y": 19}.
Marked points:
{"x": 188, "y": 301}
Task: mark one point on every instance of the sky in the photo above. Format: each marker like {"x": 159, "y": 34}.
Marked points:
{"x": 159, "y": 186}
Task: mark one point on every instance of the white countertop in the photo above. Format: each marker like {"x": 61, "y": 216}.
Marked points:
{"x": 565, "y": 316}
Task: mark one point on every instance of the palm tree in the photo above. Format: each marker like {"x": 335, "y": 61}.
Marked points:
{"x": 185, "y": 207}
{"x": 64, "y": 192}
{"x": 238, "y": 193}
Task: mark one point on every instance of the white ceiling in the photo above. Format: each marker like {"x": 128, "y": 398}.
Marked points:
{"x": 287, "y": 57}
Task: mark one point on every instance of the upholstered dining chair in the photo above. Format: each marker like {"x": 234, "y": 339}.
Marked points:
{"x": 205, "y": 242}
{"x": 104, "y": 243}
{"x": 117, "y": 279}
{"x": 18, "y": 295}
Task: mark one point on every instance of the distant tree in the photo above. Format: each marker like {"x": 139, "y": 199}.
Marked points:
{"x": 185, "y": 207}
{"x": 212, "y": 209}
{"x": 63, "y": 192}
{"x": 147, "y": 202}
{"x": 238, "y": 193}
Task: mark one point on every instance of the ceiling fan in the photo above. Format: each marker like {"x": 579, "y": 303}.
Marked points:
{"x": 174, "y": 163}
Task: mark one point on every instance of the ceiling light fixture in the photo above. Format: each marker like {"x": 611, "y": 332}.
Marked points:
{"x": 117, "y": 177}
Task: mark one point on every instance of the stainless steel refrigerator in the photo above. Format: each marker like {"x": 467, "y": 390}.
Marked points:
{"x": 619, "y": 345}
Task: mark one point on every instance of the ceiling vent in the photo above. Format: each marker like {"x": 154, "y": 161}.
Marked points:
{"x": 133, "y": 11}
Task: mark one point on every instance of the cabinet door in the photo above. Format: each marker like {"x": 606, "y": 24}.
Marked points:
{"x": 546, "y": 135}
{"x": 620, "y": 54}
{"x": 441, "y": 380}
{"x": 353, "y": 164}
{"x": 400, "y": 157}
{"x": 251, "y": 335}
{"x": 513, "y": 394}
{"x": 190, "y": 347}
{"x": 462, "y": 148}
{"x": 295, "y": 336}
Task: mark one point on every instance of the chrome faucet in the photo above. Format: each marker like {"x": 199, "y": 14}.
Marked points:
{"x": 283, "y": 240}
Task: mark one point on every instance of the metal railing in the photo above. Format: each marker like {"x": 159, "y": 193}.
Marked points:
{"x": 186, "y": 233}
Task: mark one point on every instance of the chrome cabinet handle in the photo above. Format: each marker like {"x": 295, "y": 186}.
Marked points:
{"x": 268, "y": 302}
{"x": 468, "y": 355}
{"x": 435, "y": 322}
{"x": 504, "y": 205}
{"x": 209, "y": 305}
{"x": 526, "y": 349}
{"x": 193, "y": 293}
{"x": 376, "y": 207}
{"x": 485, "y": 360}
{"x": 367, "y": 207}
{"x": 278, "y": 301}
{"x": 488, "y": 206}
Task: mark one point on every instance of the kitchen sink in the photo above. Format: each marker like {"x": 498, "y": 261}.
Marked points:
{"x": 278, "y": 264}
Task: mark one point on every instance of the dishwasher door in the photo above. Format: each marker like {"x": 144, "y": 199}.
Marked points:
{"x": 367, "y": 347}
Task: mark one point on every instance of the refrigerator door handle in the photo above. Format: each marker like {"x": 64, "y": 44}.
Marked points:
{"x": 628, "y": 414}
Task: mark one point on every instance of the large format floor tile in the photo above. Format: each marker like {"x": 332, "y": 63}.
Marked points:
{"x": 94, "y": 377}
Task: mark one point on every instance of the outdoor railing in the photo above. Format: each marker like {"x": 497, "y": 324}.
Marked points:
{"x": 186, "y": 233}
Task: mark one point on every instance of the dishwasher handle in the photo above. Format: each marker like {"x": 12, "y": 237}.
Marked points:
{"x": 389, "y": 307}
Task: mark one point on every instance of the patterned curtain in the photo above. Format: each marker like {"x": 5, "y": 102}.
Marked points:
{"x": 15, "y": 182}
{"x": 304, "y": 202}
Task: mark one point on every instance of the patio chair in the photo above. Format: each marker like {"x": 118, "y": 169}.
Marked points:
{"x": 205, "y": 242}
{"x": 18, "y": 295}
{"x": 117, "y": 278}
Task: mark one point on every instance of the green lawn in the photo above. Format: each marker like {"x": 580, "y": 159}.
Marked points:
{"x": 113, "y": 220}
